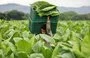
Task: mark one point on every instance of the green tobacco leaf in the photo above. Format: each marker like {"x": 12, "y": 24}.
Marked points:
{"x": 32, "y": 41}
{"x": 47, "y": 38}
{"x": 11, "y": 56}
{"x": 1, "y": 54}
{"x": 48, "y": 8}
{"x": 22, "y": 55}
{"x": 25, "y": 34}
{"x": 56, "y": 51}
{"x": 85, "y": 45}
{"x": 47, "y": 51}
{"x": 24, "y": 46}
{"x": 6, "y": 48}
{"x": 76, "y": 45}
{"x": 36, "y": 55}
{"x": 67, "y": 55}
{"x": 12, "y": 47}
{"x": 10, "y": 33}
{"x": 37, "y": 47}
{"x": 16, "y": 39}
{"x": 51, "y": 13}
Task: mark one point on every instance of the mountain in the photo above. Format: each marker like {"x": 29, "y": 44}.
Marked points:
{"x": 26, "y": 9}
{"x": 80, "y": 10}
{"x": 12, "y": 6}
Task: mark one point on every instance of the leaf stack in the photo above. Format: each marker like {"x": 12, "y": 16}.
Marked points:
{"x": 45, "y": 9}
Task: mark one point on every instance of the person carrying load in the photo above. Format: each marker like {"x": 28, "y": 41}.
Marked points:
{"x": 43, "y": 18}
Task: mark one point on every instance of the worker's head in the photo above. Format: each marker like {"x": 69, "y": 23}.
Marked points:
{"x": 43, "y": 29}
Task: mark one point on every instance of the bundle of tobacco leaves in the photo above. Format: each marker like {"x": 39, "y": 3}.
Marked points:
{"x": 45, "y": 9}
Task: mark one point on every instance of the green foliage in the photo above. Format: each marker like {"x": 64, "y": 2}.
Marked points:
{"x": 68, "y": 15}
{"x": 82, "y": 17}
{"x": 2, "y": 16}
{"x": 73, "y": 16}
{"x": 23, "y": 46}
{"x": 72, "y": 40}
{"x": 36, "y": 55}
{"x": 85, "y": 47}
{"x": 56, "y": 51}
{"x": 16, "y": 15}
{"x": 13, "y": 15}
{"x": 22, "y": 55}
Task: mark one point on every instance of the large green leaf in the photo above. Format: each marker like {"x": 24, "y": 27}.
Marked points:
{"x": 36, "y": 55}
{"x": 47, "y": 51}
{"x": 38, "y": 46}
{"x": 24, "y": 46}
{"x": 22, "y": 55}
{"x": 76, "y": 45}
{"x": 48, "y": 8}
{"x": 68, "y": 55}
{"x": 56, "y": 51}
{"x": 47, "y": 38}
{"x": 16, "y": 39}
{"x": 1, "y": 54}
{"x": 85, "y": 45}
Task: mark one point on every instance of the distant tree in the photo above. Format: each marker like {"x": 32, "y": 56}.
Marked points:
{"x": 2, "y": 16}
{"x": 81, "y": 17}
{"x": 63, "y": 16}
{"x": 15, "y": 15}
{"x": 67, "y": 15}
{"x": 70, "y": 13}
{"x": 88, "y": 16}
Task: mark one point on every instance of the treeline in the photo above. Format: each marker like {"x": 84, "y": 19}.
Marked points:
{"x": 13, "y": 15}
{"x": 17, "y": 15}
{"x": 74, "y": 16}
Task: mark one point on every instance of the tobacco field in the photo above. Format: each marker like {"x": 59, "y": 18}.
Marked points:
{"x": 72, "y": 40}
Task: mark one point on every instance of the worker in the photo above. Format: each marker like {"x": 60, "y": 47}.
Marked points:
{"x": 43, "y": 29}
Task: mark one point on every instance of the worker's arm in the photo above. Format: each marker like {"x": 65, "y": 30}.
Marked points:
{"x": 48, "y": 26}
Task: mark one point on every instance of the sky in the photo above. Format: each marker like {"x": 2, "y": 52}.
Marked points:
{"x": 65, "y": 3}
